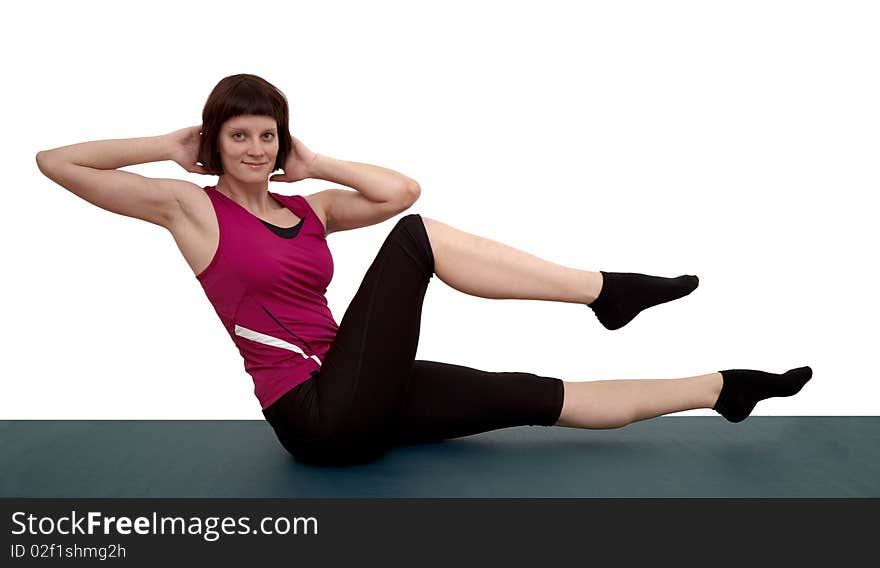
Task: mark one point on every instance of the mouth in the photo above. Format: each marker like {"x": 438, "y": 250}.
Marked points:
{"x": 255, "y": 166}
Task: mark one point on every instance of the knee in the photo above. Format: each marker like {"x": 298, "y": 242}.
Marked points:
{"x": 423, "y": 227}
{"x": 412, "y": 219}
{"x": 416, "y": 229}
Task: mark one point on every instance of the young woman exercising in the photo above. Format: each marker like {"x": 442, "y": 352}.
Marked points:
{"x": 339, "y": 394}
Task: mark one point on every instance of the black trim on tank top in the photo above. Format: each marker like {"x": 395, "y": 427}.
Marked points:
{"x": 285, "y": 232}
{"x": 287, "y": 330}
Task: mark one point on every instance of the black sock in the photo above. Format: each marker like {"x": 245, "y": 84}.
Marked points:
{"x": 744, "y": 388}
{"x": 625, "y": 294}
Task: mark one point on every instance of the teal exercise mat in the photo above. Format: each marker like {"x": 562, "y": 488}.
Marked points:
{"x": 699, "y": 457}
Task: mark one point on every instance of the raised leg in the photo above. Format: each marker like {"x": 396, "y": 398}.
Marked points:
{"x": 616, "y": 403}
{"x": 482, "y": 267}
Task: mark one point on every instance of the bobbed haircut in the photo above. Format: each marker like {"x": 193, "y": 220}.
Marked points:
{"x": 238, "y": 95}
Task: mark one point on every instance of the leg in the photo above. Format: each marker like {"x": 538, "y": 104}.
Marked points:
{"x": 489, "y": 269}
{"x": 616, "y": 403}
{"x": 365, "y": 373}
{"x": 482, "y": 267}
{"x": 448, "y": 401}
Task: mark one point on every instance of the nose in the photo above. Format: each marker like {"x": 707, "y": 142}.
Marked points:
{"x": 255, "y": 149}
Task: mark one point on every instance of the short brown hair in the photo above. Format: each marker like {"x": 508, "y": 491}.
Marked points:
{"x": 234, "y": 96}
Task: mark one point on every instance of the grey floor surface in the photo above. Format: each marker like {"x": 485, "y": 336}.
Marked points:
{"x": 692, "y": 457}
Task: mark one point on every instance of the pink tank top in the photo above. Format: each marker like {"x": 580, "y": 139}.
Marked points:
{"x": 269, "y": 293}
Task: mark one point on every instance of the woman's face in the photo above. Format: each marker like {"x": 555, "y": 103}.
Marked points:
{"x": 245, "y": 140}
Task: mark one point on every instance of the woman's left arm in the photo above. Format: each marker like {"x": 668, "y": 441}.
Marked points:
{"x": 373, "y": 182}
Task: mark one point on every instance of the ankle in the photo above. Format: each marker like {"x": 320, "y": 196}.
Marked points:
{"x": 593, "y": 286}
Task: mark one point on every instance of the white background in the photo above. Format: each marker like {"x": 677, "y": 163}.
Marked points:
{"x": 733, "y": 140}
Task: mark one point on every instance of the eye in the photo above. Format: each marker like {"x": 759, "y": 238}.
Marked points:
{"x": 269, "y": 133}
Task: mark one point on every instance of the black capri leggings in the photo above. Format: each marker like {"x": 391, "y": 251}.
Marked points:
{"x": 372, "y": 394}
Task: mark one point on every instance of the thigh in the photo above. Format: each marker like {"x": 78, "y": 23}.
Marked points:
{"x": 448, "y": 401}
{"x": 365, "y": 373}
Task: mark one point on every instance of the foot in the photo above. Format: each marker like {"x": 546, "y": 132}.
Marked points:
{"x": 743, "y": 389}
{"x": 625, "y": 294}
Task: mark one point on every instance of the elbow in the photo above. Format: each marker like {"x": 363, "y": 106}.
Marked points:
{"x": 42, "y": 160}
{"x": 412, "y": 191}
{"x": 47, "y": 164}
{"x": 44, "y": 157}
{"x": 50, "y": 165}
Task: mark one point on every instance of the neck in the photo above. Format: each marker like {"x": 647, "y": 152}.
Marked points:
{"x": 253, "y": 196}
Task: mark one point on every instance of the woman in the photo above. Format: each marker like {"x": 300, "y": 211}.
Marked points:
{"x": 346, "y": 393}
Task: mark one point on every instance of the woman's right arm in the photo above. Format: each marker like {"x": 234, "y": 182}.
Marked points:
{"x": 89, "y": 171}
